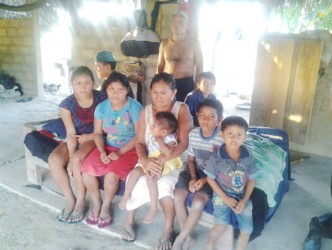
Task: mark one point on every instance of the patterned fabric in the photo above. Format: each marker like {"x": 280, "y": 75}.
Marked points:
{"x": 232, "y": 177}
{"x": 193, "y": 99}
{"x": 271, "y": 162}
{"x": 119, "y": 126}
{"x": 83, "y": 117}
{"x": 201, "y": 147}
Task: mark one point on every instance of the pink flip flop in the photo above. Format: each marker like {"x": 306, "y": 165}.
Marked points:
{"x": 92, "y": 219}
{"x": 104, "y": 222}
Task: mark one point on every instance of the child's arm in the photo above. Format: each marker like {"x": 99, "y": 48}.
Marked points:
{"x": 99, "y": 140}
{"x": 242, "y": 203}
{"x": 166, "y": 149}
{"x": 84, "y": 138}
{"x": 229, "y": 201}
{"x": 192, "y": 170}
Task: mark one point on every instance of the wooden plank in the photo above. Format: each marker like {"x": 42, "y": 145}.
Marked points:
{"x": 302, "y": 92}
{"x": 274, "y": 59}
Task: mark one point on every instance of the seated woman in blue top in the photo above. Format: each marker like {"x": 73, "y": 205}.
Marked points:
{"x": 115, "y": 128}
{"x": 65, "y": 161}
{"x": 205, "y": 86}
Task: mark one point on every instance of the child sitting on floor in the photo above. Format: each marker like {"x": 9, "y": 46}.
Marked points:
{"x": 205, "y": 86}
{"x": 162, "y": 141}
{"x": 231, "y": 174}
{"x": 203, "y": 141}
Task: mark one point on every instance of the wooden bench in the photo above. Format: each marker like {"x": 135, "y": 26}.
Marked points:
{"x": 33, "y": 164}
{"x": 34, "y": 167}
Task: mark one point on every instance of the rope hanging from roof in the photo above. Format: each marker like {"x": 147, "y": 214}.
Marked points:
{"x": 24, "y": 7}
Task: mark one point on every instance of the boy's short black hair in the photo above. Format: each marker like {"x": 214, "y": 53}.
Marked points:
{"x": 234, "y": 120}
{"x": 205, "y": 75}
{"x": 213, "y": 103}
{"x": 167, "y": 120}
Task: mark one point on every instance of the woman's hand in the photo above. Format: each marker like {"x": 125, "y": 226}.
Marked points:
{"x": 152, "y": 166}
{"x": 82, "y": 138}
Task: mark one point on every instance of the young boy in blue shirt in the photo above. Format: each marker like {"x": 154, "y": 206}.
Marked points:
{"x": 231, "y": 174}
{"x": 205, "y": 85}
{"x": 203, "y": 141}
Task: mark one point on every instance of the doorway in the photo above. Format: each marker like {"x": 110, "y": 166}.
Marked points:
{"x": 55, "y": 58}
{"x": 228, "y": 33}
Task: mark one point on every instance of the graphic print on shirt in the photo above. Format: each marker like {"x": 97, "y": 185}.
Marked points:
{"x": 118, "y": 129}
{"x": 235, "y": 177}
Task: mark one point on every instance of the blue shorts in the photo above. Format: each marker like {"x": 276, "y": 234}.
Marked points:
{"x": 224, "y": 215}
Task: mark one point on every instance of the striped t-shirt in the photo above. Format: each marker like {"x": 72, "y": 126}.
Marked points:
{"x": 201, "y": 147}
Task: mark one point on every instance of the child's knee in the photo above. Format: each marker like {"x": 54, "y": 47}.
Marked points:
{"x": 199, "y": 201}
{"x": 180, "y": 196}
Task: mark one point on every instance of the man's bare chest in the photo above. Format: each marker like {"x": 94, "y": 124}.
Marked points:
{"x": 179, "y": 52}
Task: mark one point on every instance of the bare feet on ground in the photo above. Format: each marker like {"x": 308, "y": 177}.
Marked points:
{"x": 128, "y": 233}
{"x": 122, "y": 203}
{"x": 150, "y": 216}
{"x": 182, "y": 243}
{"x": 166, "y": 241}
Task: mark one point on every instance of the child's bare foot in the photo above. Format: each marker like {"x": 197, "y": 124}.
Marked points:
{"x": 188, "y": 242}
{"x": 150, "y": 216}
{"x": 181, "y": 243}
{"x": 122, "y": 204}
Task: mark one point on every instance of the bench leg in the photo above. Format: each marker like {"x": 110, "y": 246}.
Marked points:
{"x": 33, "y": 170}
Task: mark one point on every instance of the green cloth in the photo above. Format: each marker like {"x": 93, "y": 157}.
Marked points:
{"x": 271, "y": 162}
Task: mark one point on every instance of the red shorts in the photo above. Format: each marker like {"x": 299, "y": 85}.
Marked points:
{"x": 92, "y": 165}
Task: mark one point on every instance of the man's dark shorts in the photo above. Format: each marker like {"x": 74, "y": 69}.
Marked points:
{"x": 184, "y": 178}
{"x": 184, "y": 86}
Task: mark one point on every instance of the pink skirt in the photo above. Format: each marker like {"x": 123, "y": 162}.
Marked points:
{"x": 92, "y": 165}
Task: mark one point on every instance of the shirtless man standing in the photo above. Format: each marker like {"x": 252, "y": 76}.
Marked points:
{"x": 180, "y": 55}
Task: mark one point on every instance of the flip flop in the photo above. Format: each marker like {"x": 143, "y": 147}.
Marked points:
{"x": 128, "y": 235}
{"x": 92, "y": 219}
{"x": 104, "y": 222}
{"x": 62, "y": 216}
{"x": 77, "y": 218}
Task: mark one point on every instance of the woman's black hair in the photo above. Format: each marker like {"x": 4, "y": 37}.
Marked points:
{"x": 81, "y": 70}
{"x": 168, "y": 78}
{"x": 118, "y": 77}
{"x": 234, "y": 120}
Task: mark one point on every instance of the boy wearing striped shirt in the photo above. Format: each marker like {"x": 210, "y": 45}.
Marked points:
{"x": 203, "y": 141}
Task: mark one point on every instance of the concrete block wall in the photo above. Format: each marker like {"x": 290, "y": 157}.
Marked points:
{"x": 17, "y": 52}
{"x": 319, "y": 140}
{"x": 90, "y": 38}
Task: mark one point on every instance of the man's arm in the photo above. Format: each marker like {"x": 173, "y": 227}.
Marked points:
{"x": 161, "y": 58}
{"x": 198, "y": 59}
